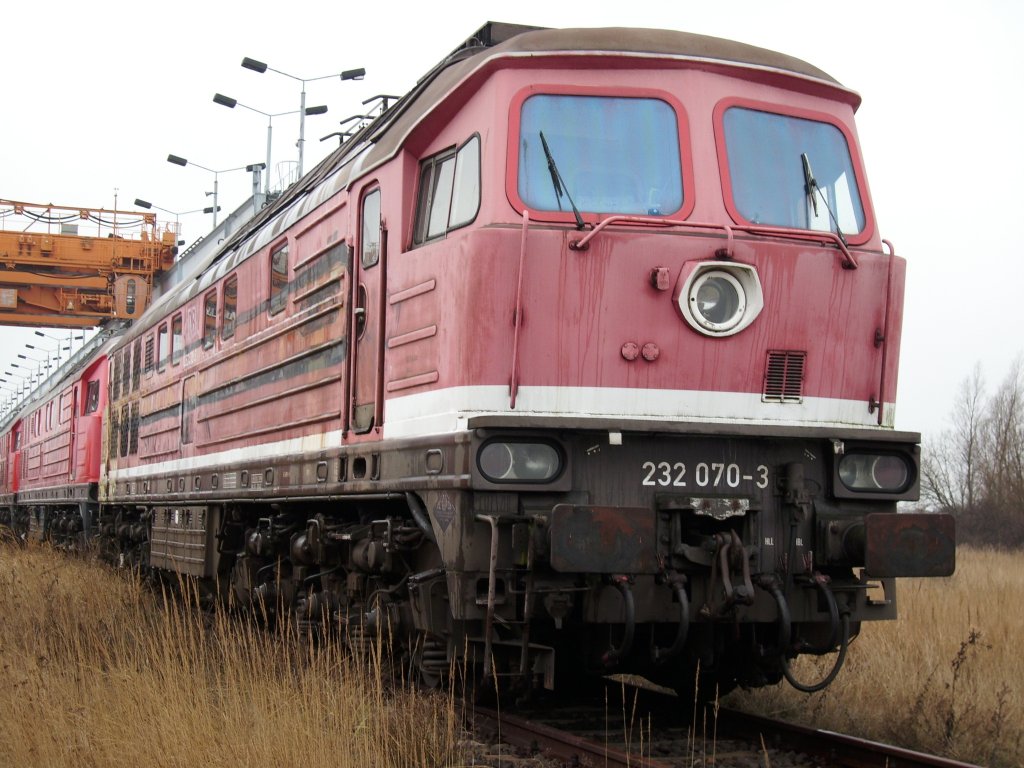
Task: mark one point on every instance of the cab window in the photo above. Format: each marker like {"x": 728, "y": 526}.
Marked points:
{"x": 612, "y": 154}
{"x": 790, "y": 171}
{"x": 449, "y": 192}
{"x": 92, "y": 397}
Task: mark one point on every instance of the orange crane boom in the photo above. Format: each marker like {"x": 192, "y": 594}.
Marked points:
{"x": 67, "y": 267}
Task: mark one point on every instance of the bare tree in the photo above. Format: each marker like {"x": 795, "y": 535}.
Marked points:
{"x": 1004, "y": 442}
{"x": 950, "y": 472}
{"x": 976, "y": 468}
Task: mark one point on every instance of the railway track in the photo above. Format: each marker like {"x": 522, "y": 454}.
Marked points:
{"x": 639, "y": 736}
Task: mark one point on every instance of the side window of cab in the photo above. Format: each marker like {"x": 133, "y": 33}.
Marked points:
{"x": 449, "y": 191}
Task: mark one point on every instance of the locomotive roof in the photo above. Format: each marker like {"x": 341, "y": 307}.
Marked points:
{"x": 505, "y": 41}
{"x": 496, "y": 41}
{"x": 381, "y": 139}
{"x": 658, "y": 41}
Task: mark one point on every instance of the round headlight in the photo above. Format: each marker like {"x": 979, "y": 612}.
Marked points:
{"x": 519, "y": 462}
{"x": 888, "y": 473}
{"x": 496, "y": 461}
{"x": 717, "y": 300}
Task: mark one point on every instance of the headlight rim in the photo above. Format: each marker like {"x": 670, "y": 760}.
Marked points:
{"x": 742, "y": 278}
{"x": 699, "y": 281}
{"x": 558, "y": 461}
{"x": 869, "y": 472}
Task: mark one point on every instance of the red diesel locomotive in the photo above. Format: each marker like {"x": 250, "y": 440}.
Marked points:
{"x": 579, "y": 358}
{"x": 50, "y": 451}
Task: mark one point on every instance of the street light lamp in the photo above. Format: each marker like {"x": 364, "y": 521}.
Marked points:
{"x": 60, "y": 343}
{"x": 348, "y": 74}
{"x": 175, "y": 160}
{"x": 230, "y": 103}
{"x": 24, "y": 380}
{"x": 176, "y": 214}
{"x": 35, "y": 372}
{"x": 49, "y": 355}
{"x": 43, "y": 361}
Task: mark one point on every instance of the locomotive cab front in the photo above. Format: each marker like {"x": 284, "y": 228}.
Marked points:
{"x": 676, "y": 360}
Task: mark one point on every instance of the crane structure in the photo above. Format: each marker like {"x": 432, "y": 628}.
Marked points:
{"x": 71, "y": 267}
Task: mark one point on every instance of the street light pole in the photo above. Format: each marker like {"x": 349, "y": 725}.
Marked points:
{"x": 71, "y": 338}
{"x": 38, "y": 360}
{"x": 261, "y": 67}
{"x": 230, "y": 103}
{"x": 175, "y": 160}
{"x": 24, "y": 381}
{"x": 176, "y": 214}
{"x": 270, "y": 133}
{"x": 302, "y": 125}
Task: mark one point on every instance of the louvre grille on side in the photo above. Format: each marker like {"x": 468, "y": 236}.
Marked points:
{"x": 784, "y": 377}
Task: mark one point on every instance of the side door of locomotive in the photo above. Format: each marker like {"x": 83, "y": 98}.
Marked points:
{"x": 366, "y": 406}
{"x": 73, "y": 425}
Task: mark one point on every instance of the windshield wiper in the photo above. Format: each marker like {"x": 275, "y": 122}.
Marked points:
{"x": 559, "y": 183}
{"x": 810, "y": 187}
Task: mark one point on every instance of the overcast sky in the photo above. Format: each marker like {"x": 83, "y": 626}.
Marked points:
{"x": 95, "y": 96}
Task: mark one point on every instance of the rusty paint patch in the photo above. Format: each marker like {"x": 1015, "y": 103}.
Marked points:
{"x": 603, "y": 540}
{"x": 917, "y": 544}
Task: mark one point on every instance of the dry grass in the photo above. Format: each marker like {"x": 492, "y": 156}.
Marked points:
{"x": 947, "y": 677}
{"x": 96, "y": 673}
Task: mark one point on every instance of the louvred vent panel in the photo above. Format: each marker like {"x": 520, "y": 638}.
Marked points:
{"x": 784, "y": 377}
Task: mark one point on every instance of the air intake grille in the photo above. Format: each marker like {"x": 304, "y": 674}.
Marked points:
{"x": 784, "y": 377}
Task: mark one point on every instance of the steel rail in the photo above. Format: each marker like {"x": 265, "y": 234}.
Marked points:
{"x": 552, "y": 742}
{"x": 832, "y": 749}
{"x": 838, "y": 749}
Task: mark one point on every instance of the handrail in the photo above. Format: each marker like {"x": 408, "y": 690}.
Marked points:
{"x": 583, "y": 243}
{"x": 808, "y": 234}
{"x": 886, "y": 324}
{"x": 517, "y": 319}
{"x": 849, "y": 262}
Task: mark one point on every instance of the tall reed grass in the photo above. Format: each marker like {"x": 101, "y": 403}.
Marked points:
{"x": 947, "y": 677}
{"x": 99, "y": 670}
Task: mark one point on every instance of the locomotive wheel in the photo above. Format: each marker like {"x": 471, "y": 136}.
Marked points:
{"x": 432, "y": 671}
{"x": 430, "y": 661}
